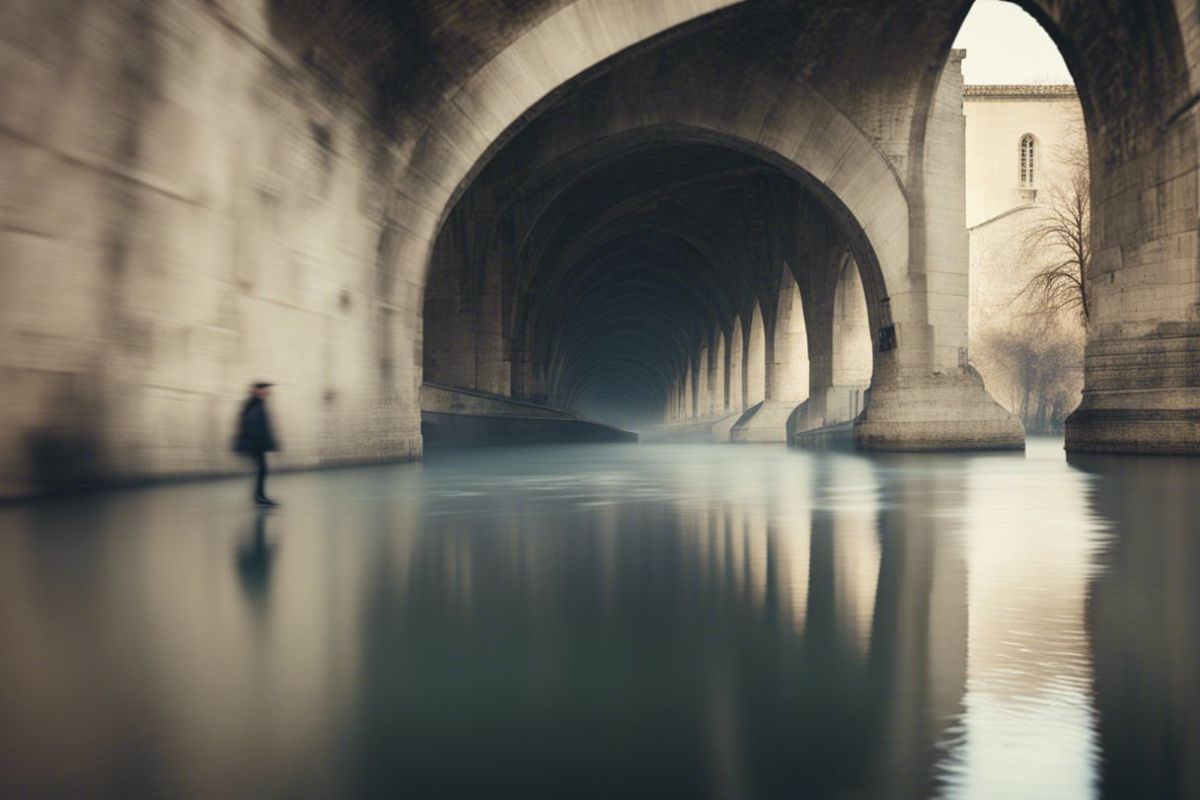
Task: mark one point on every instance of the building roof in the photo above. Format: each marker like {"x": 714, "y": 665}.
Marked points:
{"x": 1008, "y": 213}
{"x": 1056, "y": 91}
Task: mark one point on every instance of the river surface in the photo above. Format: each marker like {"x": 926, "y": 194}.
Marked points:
{"x": 614, "y": 621}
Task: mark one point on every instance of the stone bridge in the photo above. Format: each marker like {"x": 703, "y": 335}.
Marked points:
{"x": 645, "y": 211}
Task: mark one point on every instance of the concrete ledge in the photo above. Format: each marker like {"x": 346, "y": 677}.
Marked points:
{"x": 1134, "y": 431}
{"x": 832, "y": 407}
{"x": 238, "y": 470}
{"x": 765, "y": 422}
{"x": 456, "y": 400}
{"x": 466, "y": 430}
{"x": 937, "y": 438}
{"x": 456, "y": 417}
{"x": 722, "y": 429}
{"x": 688, "y": 431}
{"x": 830, "y": 437}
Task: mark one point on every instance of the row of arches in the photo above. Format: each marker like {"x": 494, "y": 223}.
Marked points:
{"x": 1139, "y": 131}
{"x": 632, "y": 219}
{"x": 640, "y": 282}
{"x": 741, "y": 365}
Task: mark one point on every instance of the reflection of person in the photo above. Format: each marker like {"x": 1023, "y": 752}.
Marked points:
{"x": 255, "y": 438}
{"x": 253, "y": 557}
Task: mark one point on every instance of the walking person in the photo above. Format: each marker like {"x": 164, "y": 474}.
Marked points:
{"x": 255, "y": 438}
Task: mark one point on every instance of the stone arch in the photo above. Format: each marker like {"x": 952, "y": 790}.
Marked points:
{"x": 482, "y": 113}
{"x": 734, "y": 368}
{"x": 754, "y": 360}
{"x": 757, "y": 106}
{"x": 795, "y": 129}
{"x": 851, "y": 330}
{"x": 703, "y": 379}
{"x": 689, "y": 392}
{"x": 790, "y": 368}
{"x": 719, "y": 380}
{"x": 1136, "y": 70}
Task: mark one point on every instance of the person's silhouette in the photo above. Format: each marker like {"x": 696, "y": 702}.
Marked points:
{"x": 255, "y": 438}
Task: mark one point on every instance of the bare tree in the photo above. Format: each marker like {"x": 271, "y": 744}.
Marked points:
{"x": 1036, "y": 357}
{"x": 1041, "y": 362}
{"x": 1062, "y": 237}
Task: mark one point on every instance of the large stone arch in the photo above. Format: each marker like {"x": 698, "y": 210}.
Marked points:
{"x": 1136, "y": 66}
{"x": 477, "y": 116}
{"x": 799, "y": 132}
{"x": 754, "y": 105}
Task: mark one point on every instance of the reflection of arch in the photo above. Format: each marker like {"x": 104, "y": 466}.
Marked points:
{"x": 851, "y": 330}
{"x": 855, "y": 554}
{"x": 754, "y": 364}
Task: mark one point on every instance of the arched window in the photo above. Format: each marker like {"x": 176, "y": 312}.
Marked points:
{"x": 1027, "y": 161}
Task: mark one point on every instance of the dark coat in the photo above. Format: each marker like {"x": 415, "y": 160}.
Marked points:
{"x": 254, "y": 433}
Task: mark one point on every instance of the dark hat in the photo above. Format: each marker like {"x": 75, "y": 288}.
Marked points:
{"x": 263, "y": 385}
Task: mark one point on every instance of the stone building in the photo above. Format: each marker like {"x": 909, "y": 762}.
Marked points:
{"x": 1023, "y": 144}
{"x": 1016, "y": 137}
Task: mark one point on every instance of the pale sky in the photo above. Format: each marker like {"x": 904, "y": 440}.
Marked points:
{"x": 1006, "y": 45}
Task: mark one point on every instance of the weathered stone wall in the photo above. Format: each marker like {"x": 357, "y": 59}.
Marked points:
{"x": 1136, "y": 68}
{"x": 186, "y": 209}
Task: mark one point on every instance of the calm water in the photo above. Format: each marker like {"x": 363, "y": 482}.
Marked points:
{"x": 614, "y": 621}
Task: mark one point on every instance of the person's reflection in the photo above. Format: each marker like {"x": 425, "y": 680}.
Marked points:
{"x": 253, "y": 558}
{"x": 1144, "y": 626}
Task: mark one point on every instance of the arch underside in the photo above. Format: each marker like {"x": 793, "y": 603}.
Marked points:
{"x": 619, "y": 232}
{"x": 786, "y": 132}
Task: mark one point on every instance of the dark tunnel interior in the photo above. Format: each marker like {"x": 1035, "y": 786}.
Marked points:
{"x": 603, "y": 281}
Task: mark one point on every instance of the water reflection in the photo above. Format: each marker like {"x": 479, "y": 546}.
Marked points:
{"x": 1142, "y": 617}
{"x": 614, "y": 621}
{"x": 253, "y": 559}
